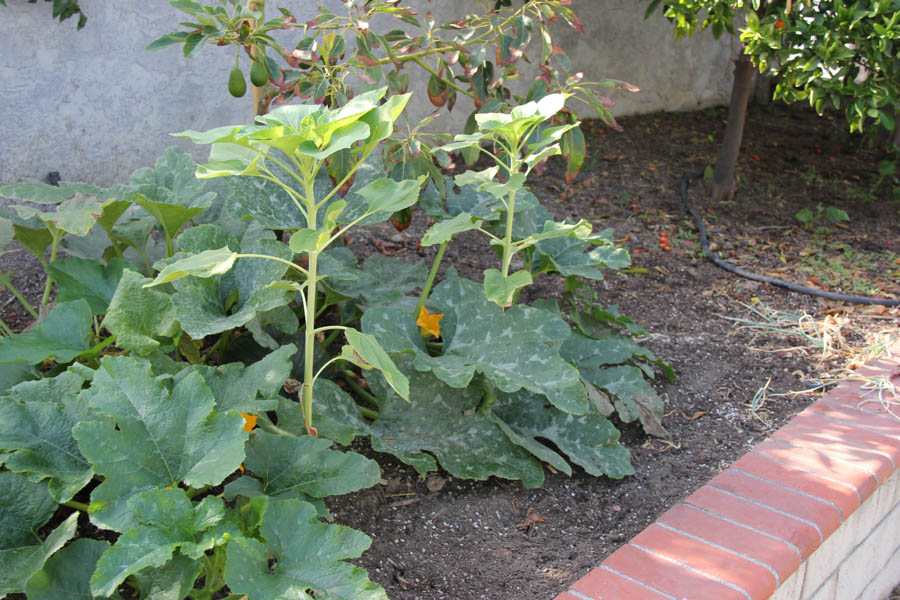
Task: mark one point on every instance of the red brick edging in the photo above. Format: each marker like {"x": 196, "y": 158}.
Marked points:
{"x": 766, "y": 525}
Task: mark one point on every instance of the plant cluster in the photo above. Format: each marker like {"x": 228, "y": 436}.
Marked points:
{"x": 62, "y": 10}
{"x": 175, "y": 413}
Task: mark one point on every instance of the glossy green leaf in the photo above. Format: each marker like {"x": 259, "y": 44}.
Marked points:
{"x": 169, "y": 521}
{"x": 306, "y": 465}
{"x": 590, "y": 440}
{"x": 88, "y": 279}
{"x": 163, "y": 436}
{"x": 67, "y": 574}
{"x": 63, "y": 335}
{"x": 25, "y": 507}
{"x": 139, "y": 316}
{"x": 309, "y": 558}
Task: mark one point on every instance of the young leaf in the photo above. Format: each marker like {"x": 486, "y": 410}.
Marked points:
{"x": 168, "y": 522}
{"x": 443, "y": 231}
{"x": 502, "y": 290}
{"x": 206, "y": 264}
{"x": 364, "y": 351}
{"x": 387, "y": 195}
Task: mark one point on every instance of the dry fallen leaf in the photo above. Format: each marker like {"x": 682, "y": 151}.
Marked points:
{"x": 532, "y": 518}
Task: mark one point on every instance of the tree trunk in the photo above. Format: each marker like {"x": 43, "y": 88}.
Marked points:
{"x": 723, "y": 184}
{"x": 895, "y": 138}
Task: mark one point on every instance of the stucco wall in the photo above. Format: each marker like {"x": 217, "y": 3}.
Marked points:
{"x": 94, "y": 105}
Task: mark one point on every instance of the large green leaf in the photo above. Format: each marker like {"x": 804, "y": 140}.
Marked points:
{"x": 169, "y": 521}
{"x": 25, "y": 507}
{"x": 502, "y": 289}
{"x": 309, "y": 558}
{"x": 138, "y": 316}
{"x": 439, "y": 424}
{"x": 38, "y": 436}
{"x": 88, "y": 279}
{"x": 590, "y": 441}
{"x": 252, "y": 388}
{"x": 43, "y": 193}
{"x": 63, "y": 335}
{"x": 67, "y": 574}
{"x": 76, "y": 215}
{"x": 265, "y": 201}
{"x": 382, "y": 279}
{"x": 515, "y": 349}
{"x": 306, "y": 465}
{"x": 12, "y": 374}
{"x": 162, "y": 437}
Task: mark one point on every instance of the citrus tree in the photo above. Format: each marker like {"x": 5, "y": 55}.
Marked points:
{"x": 830, "y": 52}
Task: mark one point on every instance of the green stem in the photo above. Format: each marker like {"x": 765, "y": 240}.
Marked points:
{"x": 310, "y": 305}
{"x": 365, "y": 395}
{"x": 53, "y": 246}
{"x": 76, "y": 505}
{"x": 292, "y": 265}
{"x": 507, "y": 239}
{"x": 266, "y": 424}
{"x": 5, "y": 282}
{"x": 5, "y": 331}
{"x": 449, "y": 82}
{"x": 430, "y": 281}
{"x": 193, "y": 492}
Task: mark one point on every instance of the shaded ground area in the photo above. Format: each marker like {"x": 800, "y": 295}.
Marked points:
{"x": 464, "y": 540}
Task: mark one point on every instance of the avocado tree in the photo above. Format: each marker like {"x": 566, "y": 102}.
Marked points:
{"x": 62, "y": 10}
{"x": 827, "y": 51}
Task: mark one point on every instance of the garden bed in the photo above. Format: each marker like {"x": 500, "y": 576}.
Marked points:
{"x": 448, "y": 538}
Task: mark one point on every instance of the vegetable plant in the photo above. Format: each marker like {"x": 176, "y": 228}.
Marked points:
{"x": 212, "y": 337}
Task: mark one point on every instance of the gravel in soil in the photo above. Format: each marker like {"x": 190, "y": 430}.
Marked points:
{"x": 463, "y": 540}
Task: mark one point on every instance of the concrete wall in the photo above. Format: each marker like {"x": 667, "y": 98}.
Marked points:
{"x": 94, "y": 105}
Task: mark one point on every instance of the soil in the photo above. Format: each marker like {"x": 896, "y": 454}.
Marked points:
{"x": 464, "y": 540}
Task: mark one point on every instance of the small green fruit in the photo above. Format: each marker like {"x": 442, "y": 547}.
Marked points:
{"x": 237, "y": 87}
{"x": 259, "y": 75}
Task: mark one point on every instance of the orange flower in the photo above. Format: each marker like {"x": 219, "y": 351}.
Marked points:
{"x": 249, "y": 421}
{"x": 429, "y": 323}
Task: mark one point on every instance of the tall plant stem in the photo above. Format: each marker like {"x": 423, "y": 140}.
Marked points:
{"x": 76, "y": 505}
{"x": 259, "y": 107}
{"x": 507, "y": 238}
{"x": 723, "y": 183}
{"x": 5, "y": 282}
{"x": 49, "y": 285}
{"x": 310, "y": 332}
{"x": 430, "y": 281}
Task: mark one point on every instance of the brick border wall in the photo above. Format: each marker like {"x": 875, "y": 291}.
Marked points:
{"x": 813, "y": 513}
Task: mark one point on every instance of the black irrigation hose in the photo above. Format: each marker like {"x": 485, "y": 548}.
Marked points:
{"x": 704, "y": 243}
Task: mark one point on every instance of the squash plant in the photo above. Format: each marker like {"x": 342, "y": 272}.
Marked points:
{"x": 177, "y": 408}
